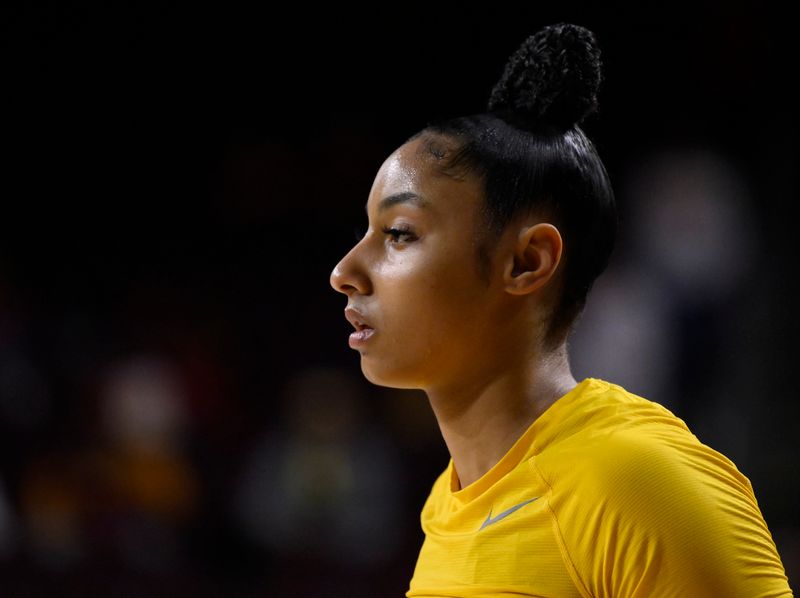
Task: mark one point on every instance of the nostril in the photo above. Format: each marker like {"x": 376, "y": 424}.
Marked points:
{"x": 337, "y": 280}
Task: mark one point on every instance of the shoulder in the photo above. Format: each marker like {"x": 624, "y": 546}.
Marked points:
{"x": 607, "y": 433}
{"x": 628, "y": 445}
{"x": 660, "y": 475}
{"x": 650, "y": 471}
{"x": 643, "y": 498}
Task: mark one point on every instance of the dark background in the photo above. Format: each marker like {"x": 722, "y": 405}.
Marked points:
{"x": 178, "y": 183}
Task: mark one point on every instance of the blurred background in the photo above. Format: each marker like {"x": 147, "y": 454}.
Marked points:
{"x": 180, "y": 413}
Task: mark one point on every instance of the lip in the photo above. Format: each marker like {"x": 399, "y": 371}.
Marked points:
{"x": 364, "y": 330}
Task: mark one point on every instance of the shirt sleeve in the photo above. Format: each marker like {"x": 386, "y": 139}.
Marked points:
{"x": 651, "y": 517}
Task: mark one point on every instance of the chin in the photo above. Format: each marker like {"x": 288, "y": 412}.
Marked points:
{"x": 382, "y": 375}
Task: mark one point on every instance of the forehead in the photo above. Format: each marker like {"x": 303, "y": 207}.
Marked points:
{"x": 415, "y": 167}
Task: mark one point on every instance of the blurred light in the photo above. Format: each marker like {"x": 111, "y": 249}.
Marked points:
{"x": 691, "y": 221}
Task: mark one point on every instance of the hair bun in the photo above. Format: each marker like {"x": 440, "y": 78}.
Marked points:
{"x": 552, "y": 79}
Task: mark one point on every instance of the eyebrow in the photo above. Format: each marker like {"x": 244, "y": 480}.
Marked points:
{"x": 398, "y": 198}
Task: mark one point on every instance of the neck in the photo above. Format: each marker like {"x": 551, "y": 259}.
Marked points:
{"x": 482, "y": 417}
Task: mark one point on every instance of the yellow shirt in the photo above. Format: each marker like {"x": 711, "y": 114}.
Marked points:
{"x": 606, "y": 494}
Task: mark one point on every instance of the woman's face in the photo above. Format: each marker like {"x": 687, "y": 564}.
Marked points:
{"x": 414, "y": 277}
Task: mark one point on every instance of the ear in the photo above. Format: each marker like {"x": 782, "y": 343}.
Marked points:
{"x": 537, "y": 254}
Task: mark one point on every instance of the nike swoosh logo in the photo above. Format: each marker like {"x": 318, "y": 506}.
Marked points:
{"x": 506, "y": 513}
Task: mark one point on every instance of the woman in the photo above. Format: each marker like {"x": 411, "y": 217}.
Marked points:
{"x": 486, "y": 234}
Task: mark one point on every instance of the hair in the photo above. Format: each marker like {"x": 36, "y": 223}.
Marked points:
{"x": 531, "y": 157}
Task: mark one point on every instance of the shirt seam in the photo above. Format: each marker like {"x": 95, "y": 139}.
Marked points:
{"x": 565, "y": 556}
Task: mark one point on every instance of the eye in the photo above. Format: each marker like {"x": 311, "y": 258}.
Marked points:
{"x": 400, "y": 234}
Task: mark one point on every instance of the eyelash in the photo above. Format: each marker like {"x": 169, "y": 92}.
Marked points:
{"x": 394, "y": 232}
{"x": 397, "y": 232}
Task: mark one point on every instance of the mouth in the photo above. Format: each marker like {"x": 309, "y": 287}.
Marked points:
{"x": 364, "y": 329}
{"x": 359, "y": 326}
{"x": 357, "y": 319}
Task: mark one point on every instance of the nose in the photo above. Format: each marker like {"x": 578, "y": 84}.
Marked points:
{"x": 349, "y": 275}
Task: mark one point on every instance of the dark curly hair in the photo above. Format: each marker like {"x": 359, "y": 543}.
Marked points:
{"x": 531, "y": 156}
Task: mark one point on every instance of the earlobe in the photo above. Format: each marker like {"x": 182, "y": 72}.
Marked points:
{"x": 536, "y": 257}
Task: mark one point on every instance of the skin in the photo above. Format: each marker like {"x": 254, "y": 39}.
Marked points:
{"x": 474, "y": 343}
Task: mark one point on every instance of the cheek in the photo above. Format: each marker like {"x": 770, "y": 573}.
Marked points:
{"x": 431, "y": 307}
{"x": 427, "y": 291}
{"x": 430, "y": 320}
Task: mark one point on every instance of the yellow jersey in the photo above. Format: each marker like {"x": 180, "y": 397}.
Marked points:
{"x": 605, "y": 494}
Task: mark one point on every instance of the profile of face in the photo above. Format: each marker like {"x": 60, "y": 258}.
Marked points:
{"x": 415, "y": 280}
{"x": 412, "y": 278}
